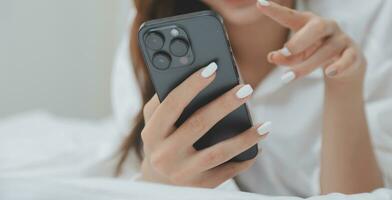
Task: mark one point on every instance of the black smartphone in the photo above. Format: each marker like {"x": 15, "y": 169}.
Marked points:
{"x": 176, "y": 47}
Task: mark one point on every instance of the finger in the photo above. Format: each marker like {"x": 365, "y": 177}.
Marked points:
{"x": 347, "y": 60}
{"x": 278, "y": 59}
{"x": 167, "y": 113}
{"x": 314, "y": 31}
{"x": 150, "y": 107}
{"x": 206, "y": 117}
{"x": 285, "y": 16}
{"x": 332, "y": 47}
{"x": 221, "y": 174}
{"x": 224, "y": 151}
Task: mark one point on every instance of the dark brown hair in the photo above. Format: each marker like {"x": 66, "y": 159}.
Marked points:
{"x": 148, "y": 10}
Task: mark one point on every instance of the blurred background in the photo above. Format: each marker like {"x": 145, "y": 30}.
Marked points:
{"x": 57, "y": 55}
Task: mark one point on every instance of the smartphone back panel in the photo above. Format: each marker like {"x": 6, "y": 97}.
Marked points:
{"x": 208, "y": 42}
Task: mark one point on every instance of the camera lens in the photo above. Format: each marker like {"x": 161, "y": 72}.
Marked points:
{"x": 154, "y": 41}
{"x": 179, "y": 47}
{"x": 161, "y": 60}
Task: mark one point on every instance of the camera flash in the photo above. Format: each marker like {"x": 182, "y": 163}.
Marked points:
{"x": 184, "y": 60}
{"x": 174, "y": 32}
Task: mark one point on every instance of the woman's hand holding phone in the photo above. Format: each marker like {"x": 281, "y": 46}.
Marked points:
{"x": 170, "y": 157}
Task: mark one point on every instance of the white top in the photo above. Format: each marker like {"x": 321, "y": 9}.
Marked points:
{"x": 289, "y": 164}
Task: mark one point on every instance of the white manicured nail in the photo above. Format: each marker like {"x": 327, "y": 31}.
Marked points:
{"x": 244, "y": 92}
{"x": 265, "y": 128}
{"x": 285, "y": 52}
{"x": 288, "y": 77}
{"x": 209, "y": 70}
{"x": 264, "y": 2}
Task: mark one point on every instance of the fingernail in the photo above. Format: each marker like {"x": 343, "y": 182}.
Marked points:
{"x": 209, "y": 70}
{"x": 264, "y": 2}
{"x": 285, "y": 52}
{"x": 244, "y": 92}
{"x": 288, "y": 77}
{"x": 264, "y": 128}
{"x": 331, "y": 72}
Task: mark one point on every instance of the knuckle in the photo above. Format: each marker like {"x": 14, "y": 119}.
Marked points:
{"x": 308, "y": 14}
{"x": 299, "y": 72}
{"x": 307, "y": 70}
{"x": 321, "y": 26}
{"x": 172, "y": 104}
{"x": 248, "y": 138}
{"x": 178, "y": 177}
{"x": 196, "y": 84}
{"x": 227, "y": 103}
{"x": 338, "y": 66}
{"x": 342, "y": 39}
{"x": 145, "y": 137}
{"x": 335, "y": 43}
{"x": 352, "y": 57}
{"x": 201, "y": 182}
{"x": 193, "y": 84}
{"x": 245, "y": 167}
{"x": 303, "y": 56}
{"x": 146, "y": 109}
{"x": 335, "y": 47}
{"x": 149, "y": 107}
{"x": 215, "y": 156}
{"x": 197, "y": 123}
{"x": 292, "y": 12}
{"x": 245, "y": 139}
{"x": 231, "y": 171}
{"x": 334, "y": 24}
{"x": 158, "y": 162}
{"x": 346, "y": 39}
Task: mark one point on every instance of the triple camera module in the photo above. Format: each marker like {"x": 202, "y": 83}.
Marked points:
{"x": 168, "y": 47}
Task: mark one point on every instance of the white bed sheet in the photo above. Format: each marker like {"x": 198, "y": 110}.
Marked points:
{"x": 109, "y": 189}
{"x": 46, "y": 157}
{"x": 38, "y": 144}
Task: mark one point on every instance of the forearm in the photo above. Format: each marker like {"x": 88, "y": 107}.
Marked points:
{"x": 348, "y": 163}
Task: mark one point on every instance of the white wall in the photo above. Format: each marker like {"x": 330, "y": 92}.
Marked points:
{"x": 57, "y": 55}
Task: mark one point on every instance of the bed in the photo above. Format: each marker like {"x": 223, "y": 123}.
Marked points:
{"x": 46, "y": 157}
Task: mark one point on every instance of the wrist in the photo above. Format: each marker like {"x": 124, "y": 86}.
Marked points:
{"x": 344, "y": 88}
{"x": 344, "y": 95}
{"x": 350, "y": 85}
